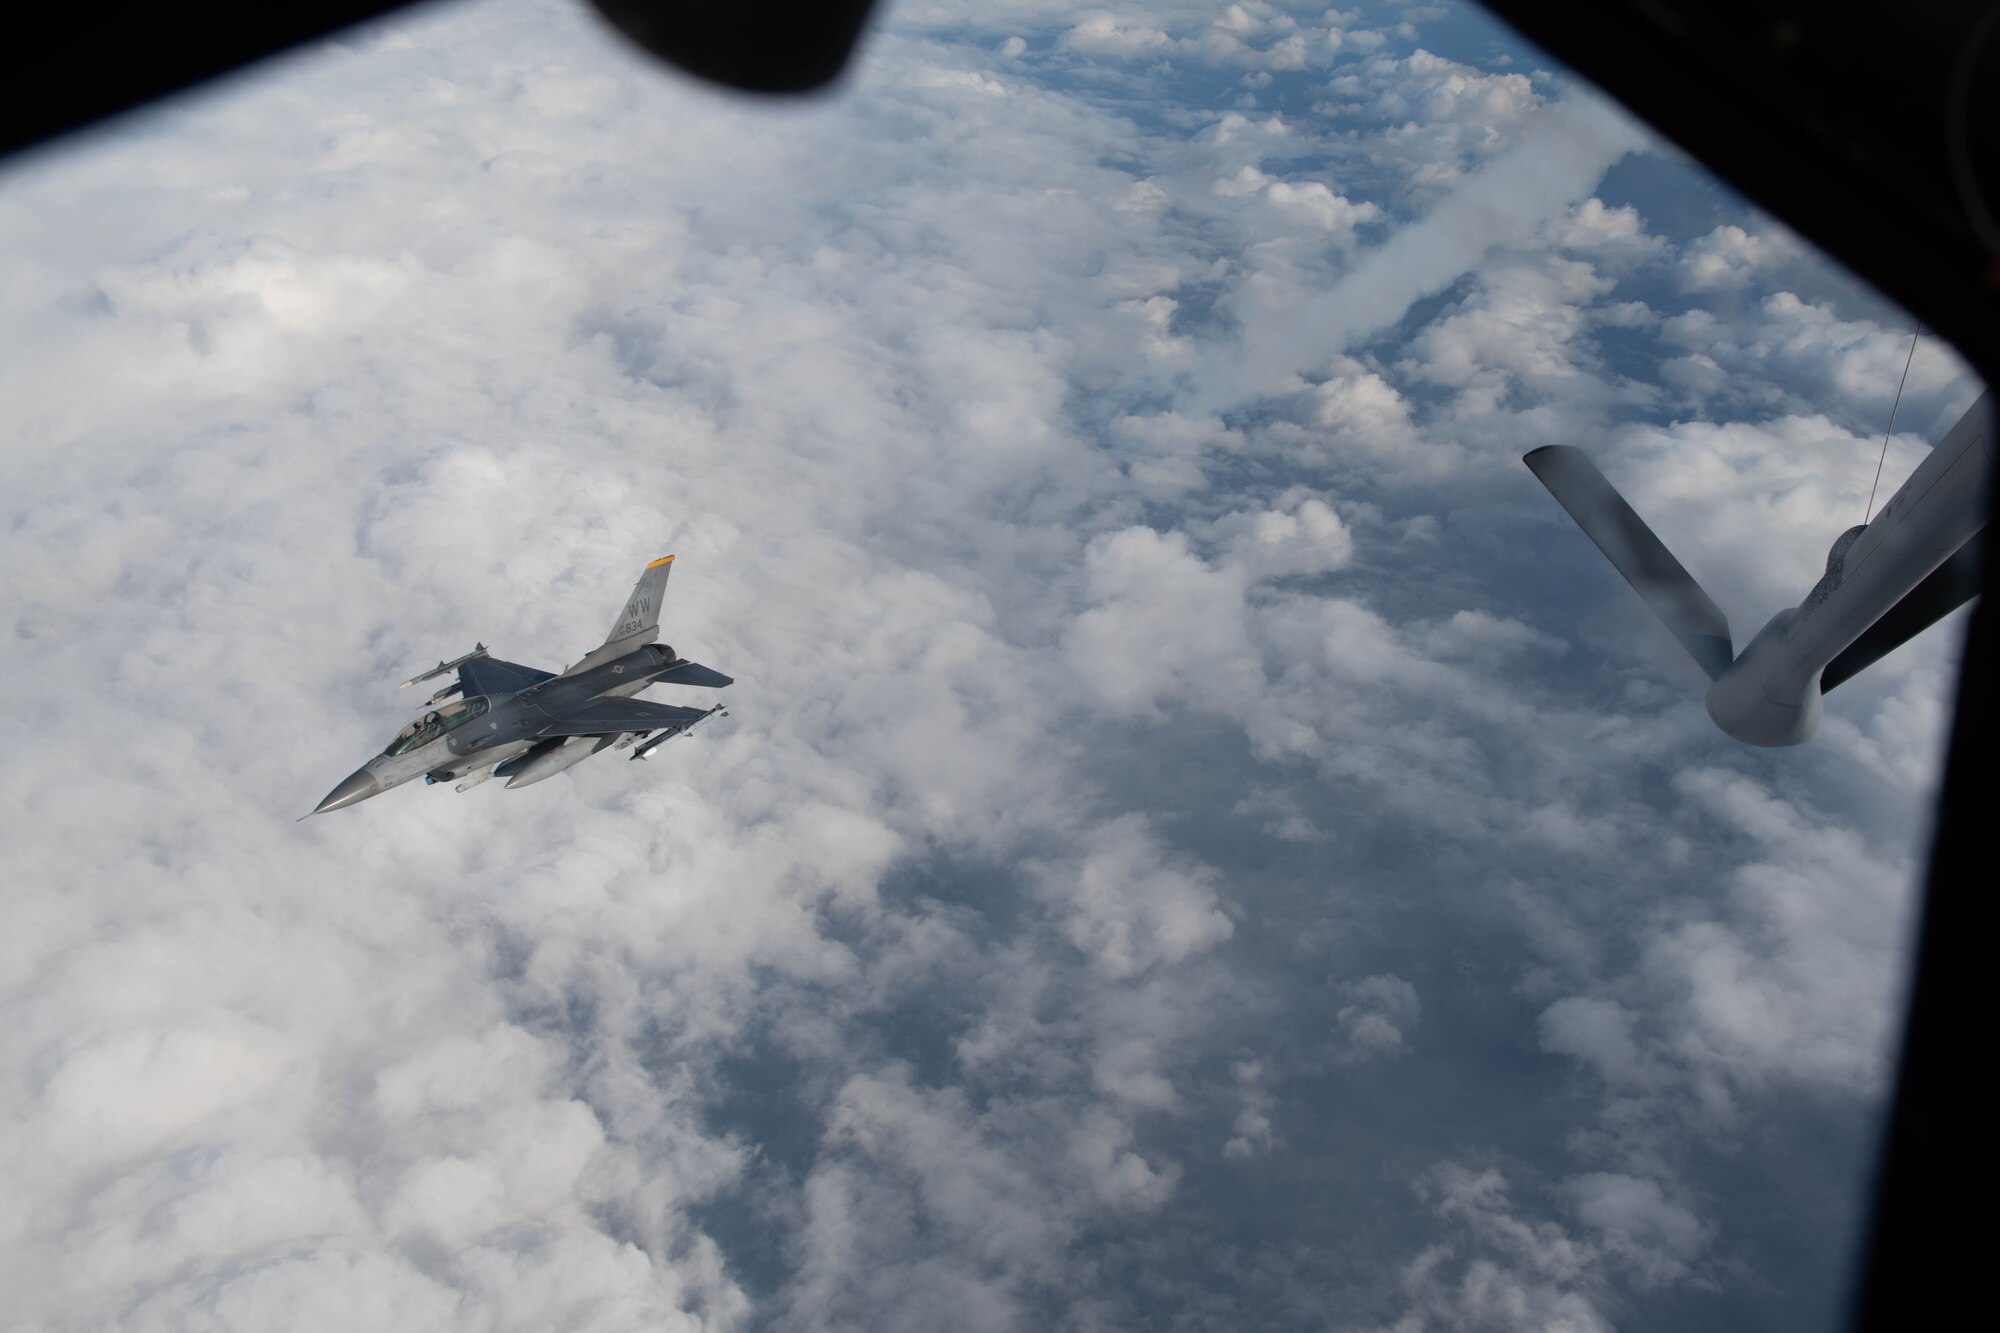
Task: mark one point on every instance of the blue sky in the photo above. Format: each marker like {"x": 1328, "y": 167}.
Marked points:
{"x": 1199, "y": 841}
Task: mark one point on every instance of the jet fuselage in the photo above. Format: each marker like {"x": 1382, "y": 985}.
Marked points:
{"x": 504, "y": 727}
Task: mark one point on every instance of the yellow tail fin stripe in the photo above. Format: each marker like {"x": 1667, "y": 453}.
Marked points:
{"x": 663, "y": 560}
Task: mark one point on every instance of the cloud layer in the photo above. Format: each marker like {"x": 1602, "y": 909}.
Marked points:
{"x": 1197, "y": 839}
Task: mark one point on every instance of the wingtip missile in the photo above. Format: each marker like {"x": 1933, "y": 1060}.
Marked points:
{"x": 478, "y": 650}
{"x": 675, "y": 733}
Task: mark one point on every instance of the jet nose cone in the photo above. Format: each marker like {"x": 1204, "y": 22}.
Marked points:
{"x": 360, "y": 785}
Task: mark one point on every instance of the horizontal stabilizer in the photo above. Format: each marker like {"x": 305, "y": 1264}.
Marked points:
{"x": 1948, "y": 587}
{"x": 607, "y": 717}
{"x": 693, "y": 673}
{"x": 1636, "y": 553}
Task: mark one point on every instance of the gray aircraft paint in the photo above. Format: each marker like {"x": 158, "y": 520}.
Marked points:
{"x": 526, "y": 725}
{"x": 1902, "y": 571}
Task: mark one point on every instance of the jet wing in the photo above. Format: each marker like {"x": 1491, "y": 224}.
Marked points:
{"x": 490, "y": 675}
{"x": 607, "y": 717}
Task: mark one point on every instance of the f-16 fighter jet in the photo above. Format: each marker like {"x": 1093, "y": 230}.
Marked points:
{"x": 523, "y": 724}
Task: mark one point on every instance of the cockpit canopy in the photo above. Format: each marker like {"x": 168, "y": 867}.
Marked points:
{"x": 435, "y": 724}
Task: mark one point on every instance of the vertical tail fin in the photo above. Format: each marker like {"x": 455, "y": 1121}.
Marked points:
{"x": 1636, "y": 553}
{"x": 639, "y": 623}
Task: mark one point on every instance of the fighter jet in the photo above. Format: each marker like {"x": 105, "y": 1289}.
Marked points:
{"x": 523, "y": 724}
{"x": 1885, "y": 582}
